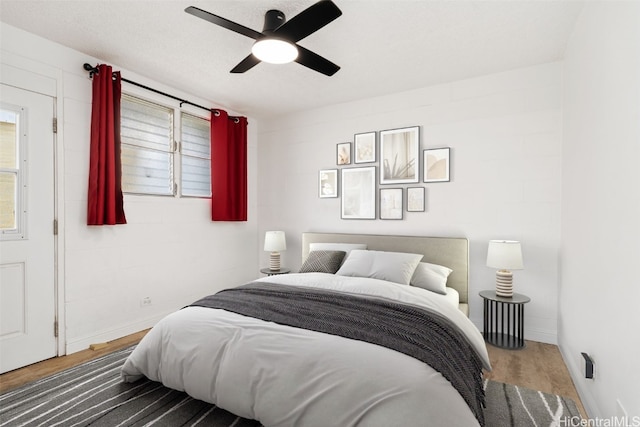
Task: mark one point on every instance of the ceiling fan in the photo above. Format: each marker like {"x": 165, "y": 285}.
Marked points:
{"x": 277, "y": 43}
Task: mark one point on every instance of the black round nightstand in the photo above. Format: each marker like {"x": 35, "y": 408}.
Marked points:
{"x": 270, "y": 272}
{"x": 504, "y": 320}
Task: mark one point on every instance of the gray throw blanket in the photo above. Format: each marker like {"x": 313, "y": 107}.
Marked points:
{"x": 411, "y": 330}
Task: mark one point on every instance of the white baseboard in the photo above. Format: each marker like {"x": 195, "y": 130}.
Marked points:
{"x": 539, "y": 335}
{"x": 83, "y": 343}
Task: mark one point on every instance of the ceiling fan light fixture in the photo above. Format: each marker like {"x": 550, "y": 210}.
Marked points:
{"x": 274, "y": 51}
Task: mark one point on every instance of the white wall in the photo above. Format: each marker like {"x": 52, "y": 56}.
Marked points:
{"x": 169, "y": 251}
{"x": 505, "y": 134}
{"x": 600, "y": 252}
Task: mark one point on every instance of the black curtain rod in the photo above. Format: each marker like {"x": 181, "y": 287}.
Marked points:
{"x": 93, "y": 70}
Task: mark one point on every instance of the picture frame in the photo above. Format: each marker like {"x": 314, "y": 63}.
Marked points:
{"x": 437, "y": 164}
{"x": 358, "y": 193}
{"x": 391, "y": 204}
{"x": 343, "y": 153}
{"x": 364, "y": 146}
{"x": 415, "y": 199}
{"x": 328, "y": 183}
{"x": 399, "y": 155}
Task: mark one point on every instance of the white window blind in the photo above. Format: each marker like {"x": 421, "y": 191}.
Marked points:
{"x": 147, "y": 147}
{"x": 196, "y": 156}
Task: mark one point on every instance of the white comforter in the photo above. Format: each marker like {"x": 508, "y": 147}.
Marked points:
{"x": 285, "y": 376}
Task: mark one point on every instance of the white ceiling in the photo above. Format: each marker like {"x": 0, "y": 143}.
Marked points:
{"x": 382, "y": 46}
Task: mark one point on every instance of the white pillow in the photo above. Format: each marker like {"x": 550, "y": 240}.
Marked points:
{"x": 395, "y": 267}
{"x": 346, "y": 247}
{"x": 432, "y": 277}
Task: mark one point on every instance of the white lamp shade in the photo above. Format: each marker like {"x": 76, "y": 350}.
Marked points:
{"x": 274, "y": 241}
{"x": 505, "y": 255}
{"x": 274, "y": 51}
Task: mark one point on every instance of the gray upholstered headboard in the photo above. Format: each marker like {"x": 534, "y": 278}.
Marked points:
{"x": 452, "y": 252}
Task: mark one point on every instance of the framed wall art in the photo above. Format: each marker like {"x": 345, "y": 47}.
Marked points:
{"x": 415, "y": 199}
{"x": 437, "y": 164}
{"x": 399, "y": 151}
{"x": 328, "y": 183}
{"x": 364, "y": 145}
{"x": 343, "y": 153}
{"x": 358, "y": 192}
{"x": 391, "y": 205}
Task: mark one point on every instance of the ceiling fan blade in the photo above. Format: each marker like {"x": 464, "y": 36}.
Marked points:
{"x": 316, "y": 62}
{"x": 309, "y": 21}
{"x": 218, "y": 20}
{"x": 246, "y": 64}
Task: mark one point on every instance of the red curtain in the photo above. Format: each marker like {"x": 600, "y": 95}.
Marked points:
{"x": 228, "y": 167}
{"x": 105, "y": 205}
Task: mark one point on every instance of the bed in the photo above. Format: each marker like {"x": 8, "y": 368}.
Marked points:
{"x": 331, "y": 349}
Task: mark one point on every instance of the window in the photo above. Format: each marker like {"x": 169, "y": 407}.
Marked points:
{"x": 12, "y": 161}
{"x": 151, "y": 164}
{"x": 196, "y": 156}
{"x": 147, "y": 147}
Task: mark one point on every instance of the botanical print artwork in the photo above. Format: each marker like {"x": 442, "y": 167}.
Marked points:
{"x": 436, "y": 165}
{"x": 344, "y": 153}
{"x": 399, "y": 155}
{"x": 328, "y": 183}
{"x": 365, "y": 147}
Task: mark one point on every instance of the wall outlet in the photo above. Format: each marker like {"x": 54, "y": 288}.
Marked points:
{"x": 145, "y": 302}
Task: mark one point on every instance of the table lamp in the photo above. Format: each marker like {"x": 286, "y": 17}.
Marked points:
{"x": 274, "y": 242}
{"x": 505, "y": 255}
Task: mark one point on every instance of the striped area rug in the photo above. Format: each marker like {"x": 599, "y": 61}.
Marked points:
{"x": 92, "y": 394}
{"x": 510, "y": 405}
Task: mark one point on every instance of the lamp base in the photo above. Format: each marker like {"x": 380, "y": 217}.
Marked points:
{"x": 274, "y": 261}
{"x": 504, "y": 283}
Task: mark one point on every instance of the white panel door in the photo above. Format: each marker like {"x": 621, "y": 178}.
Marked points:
{"x": 27, "y": 285}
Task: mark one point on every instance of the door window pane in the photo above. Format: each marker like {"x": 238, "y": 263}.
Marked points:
{"x": 10, "y": 172}
{"x": 8, "y": 140}
{"x": 8, "y": 200}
